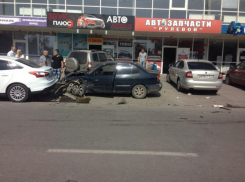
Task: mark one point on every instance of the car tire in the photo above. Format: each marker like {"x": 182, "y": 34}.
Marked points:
{"x": 18, "y": 93}
{"x": 72, "y": 64}
{"x": 168, "y": 78}
{"x": 78, "y": 90}
{"x": 179, "y": 87}
{"x": 228, "y": 80}
{"x": 139, "y": 91}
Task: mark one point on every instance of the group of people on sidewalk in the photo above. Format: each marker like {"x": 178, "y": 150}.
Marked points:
{"x": 56, "y": 62}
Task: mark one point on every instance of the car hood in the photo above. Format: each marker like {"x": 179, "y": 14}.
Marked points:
{"x": 76, "y": 73}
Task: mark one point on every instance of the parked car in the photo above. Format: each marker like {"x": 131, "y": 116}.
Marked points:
{"x": 20, "y": 77}
{"x": 125, "y": 54}
{"x": 114, "y": 77}
{"x": 195, "y": 75}
{"x": 236, "y": 75}
{"x": 90, "y": 21}
{"x": 85, "y": 60}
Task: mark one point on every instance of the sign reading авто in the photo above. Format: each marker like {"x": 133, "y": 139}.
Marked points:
{"x": 177, "y": 25}
{"x": 88, "y": 21}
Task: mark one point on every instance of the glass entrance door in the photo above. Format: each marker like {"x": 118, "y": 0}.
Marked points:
{"x": 21, "y": 45}
{"x": 169, "y": 57}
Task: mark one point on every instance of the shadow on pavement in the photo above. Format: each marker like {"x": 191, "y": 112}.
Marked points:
{"x": 241, "y": 87}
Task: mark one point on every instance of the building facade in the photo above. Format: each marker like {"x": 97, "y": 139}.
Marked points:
{"x": 163, "y": 47}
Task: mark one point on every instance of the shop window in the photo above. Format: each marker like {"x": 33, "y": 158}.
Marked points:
{"x": 49, "y": 42}
{"x": 129, "y": 12}
{"x": 6, "y": 9}
{"x": 144, "y": 13}
{"x": 230, "y": 51}
{"x": 39, "y": 10}
{"x": 74, "y": 2}
{"x": 241, "y": 17}
{"x": 20, "y": 35}
{"x": 155, "y": 47}
{"x": 241, "y": 43}
{"x": 6, "y": 37}
{"x": 109, "y": 3}
{"x": 196, "y": 4}
{"x": 23, "y": 10}
{"x": 7, "y": 1}
{"x": 200, "y": 49}
{"x": 56, "y": 1}
{"x": 229, "y": 16}
{"x": 79, "y": 41}
{"x": 215, "y": 50}
{"x": 177, "y": 14}
{"x": 186, "y": 43}
{"x": 126, "y": 3}
{"x": 137, "y": 47}
{"x": 213, "y": 5}
{"x": 22, "y": 1}
{"x": 92, "y": 3}
{"x": 92, "y": 10}
{"x": 160, "y": 13}
{"x": 64, "y": 43}
{"x": 109, "y": 11}
{"x": 56, "y": 8}
{"x": 230, "y": 5}
{"x": 111, "y": 44}
{"x": 35, "y": 43}
{"x": 125, "y": 49}
{"x": 170, "y": 41}
{"x": 242, "y": 5}
{"x": 161, "y": 4}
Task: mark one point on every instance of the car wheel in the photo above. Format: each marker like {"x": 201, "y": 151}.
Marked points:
{"x": 179, "y": 87}
{"x": 78, "y": 90}
{"x": 228, "y": 80}
{"x": 18, "y": 93}
{"x": 84, "y": 25}
{"x": 168, "y": 78}
{"x": 139, "y": 91}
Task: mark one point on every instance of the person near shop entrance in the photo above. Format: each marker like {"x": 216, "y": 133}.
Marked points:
{"x": 57, "y": 64}
{"x": 44, "y": 59}
{"x": 12, "y": 52}
{"x": 19, "y": 54}
{"x": 142, "y": 57}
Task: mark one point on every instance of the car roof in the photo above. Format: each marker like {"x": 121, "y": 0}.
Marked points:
{"x": 87, "y": 50}
{"x": 195, "y": 60}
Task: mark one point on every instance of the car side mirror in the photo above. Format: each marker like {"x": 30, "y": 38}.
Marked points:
{"x": 170, "y": 65}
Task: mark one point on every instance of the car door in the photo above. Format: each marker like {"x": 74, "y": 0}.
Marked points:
{"x": 6, "y": 74}
{"x": 102, "y": 79}
{"x": 126, "y": 77}
{"x": 174, "y": 72}
{"x": 235, "y": 74}
{"x": 179, "y": 71}
{"x": 241, "y": 74}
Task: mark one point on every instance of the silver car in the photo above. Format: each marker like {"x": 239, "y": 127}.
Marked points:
{"x": 195, "y": 75}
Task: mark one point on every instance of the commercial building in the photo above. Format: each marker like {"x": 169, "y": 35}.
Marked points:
{"x": 167, "y": 29}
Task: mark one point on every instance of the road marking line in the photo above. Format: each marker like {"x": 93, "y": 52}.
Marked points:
{"x": 178, "y": 154}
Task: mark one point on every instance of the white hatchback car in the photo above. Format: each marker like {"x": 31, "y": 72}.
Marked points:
{"x": 20, "y": 77}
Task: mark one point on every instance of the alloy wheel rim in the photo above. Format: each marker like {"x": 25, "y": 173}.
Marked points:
{"x": 17, "y": 93}
{"x": 139, "y": 91}
{"x": 81, "y": 90}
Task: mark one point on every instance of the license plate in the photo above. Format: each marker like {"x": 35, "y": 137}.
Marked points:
{"x": 205, "y": 76}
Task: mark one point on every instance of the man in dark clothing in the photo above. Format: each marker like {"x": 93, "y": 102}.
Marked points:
{"x": 57, "y": 64}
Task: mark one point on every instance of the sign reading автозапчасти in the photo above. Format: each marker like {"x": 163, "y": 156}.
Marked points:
{"x": 177, "y": 25}
{"x": 87, "y": 21}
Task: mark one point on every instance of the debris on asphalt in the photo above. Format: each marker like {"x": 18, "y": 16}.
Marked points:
{"x": 123, "y": 101}
{"x": 201, "y": 116}
{"x": 84, "y": 100}
{"x": 177, "y": 97}
{"x": 234, "y": 106}
{"x": 207, "y": 97}
{"x": 218, "y": 105}
{"x": 225, "y": 108}
{"x": 182, "y": 118}
{"x": 189, "y": 94}
{"x": 215, "y": 112}
{"x": 199, "y": 105}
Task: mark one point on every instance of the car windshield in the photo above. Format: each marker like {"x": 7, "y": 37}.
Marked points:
{"x": 29, "y": 63}
{"x": 200, "y": 66}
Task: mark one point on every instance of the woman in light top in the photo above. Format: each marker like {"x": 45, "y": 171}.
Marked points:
{"x": 19, "y": 54}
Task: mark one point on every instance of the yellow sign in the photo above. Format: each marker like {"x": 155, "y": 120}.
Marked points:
{"x": 95, "y": 40}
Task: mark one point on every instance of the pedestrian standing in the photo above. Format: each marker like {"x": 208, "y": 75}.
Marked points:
{"x": 57, "y": 64}
{"x": 12, "y": 52}
{"x": 44, "y": 59}
{"x": 142, "y": 57}
{"x": 19, "y": 54}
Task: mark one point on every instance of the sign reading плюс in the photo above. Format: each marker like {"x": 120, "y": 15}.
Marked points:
{"x": 87, "y": 21}
{"x": 177, "y": 25}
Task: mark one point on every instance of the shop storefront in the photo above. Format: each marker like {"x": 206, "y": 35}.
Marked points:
{"x": 123, "y": 37}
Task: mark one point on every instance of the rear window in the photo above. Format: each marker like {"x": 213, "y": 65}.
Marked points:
{"x": 29, "y": 63}
{"x": 80, "y": 56}
{"x": 200, "y": 66}
{"x": 102, "y": 57}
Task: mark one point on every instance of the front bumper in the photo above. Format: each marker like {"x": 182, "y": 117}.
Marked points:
{"x": 190, "y": 84}
{"x": 154, "y": 88}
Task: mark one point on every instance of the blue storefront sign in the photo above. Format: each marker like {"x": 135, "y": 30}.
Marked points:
{"x": 233, "y": 28}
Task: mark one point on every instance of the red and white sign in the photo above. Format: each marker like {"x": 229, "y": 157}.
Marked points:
{"x": 177, "y": 25}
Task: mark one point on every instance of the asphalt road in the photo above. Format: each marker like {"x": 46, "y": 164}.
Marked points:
{"x": 46, "y": 141}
